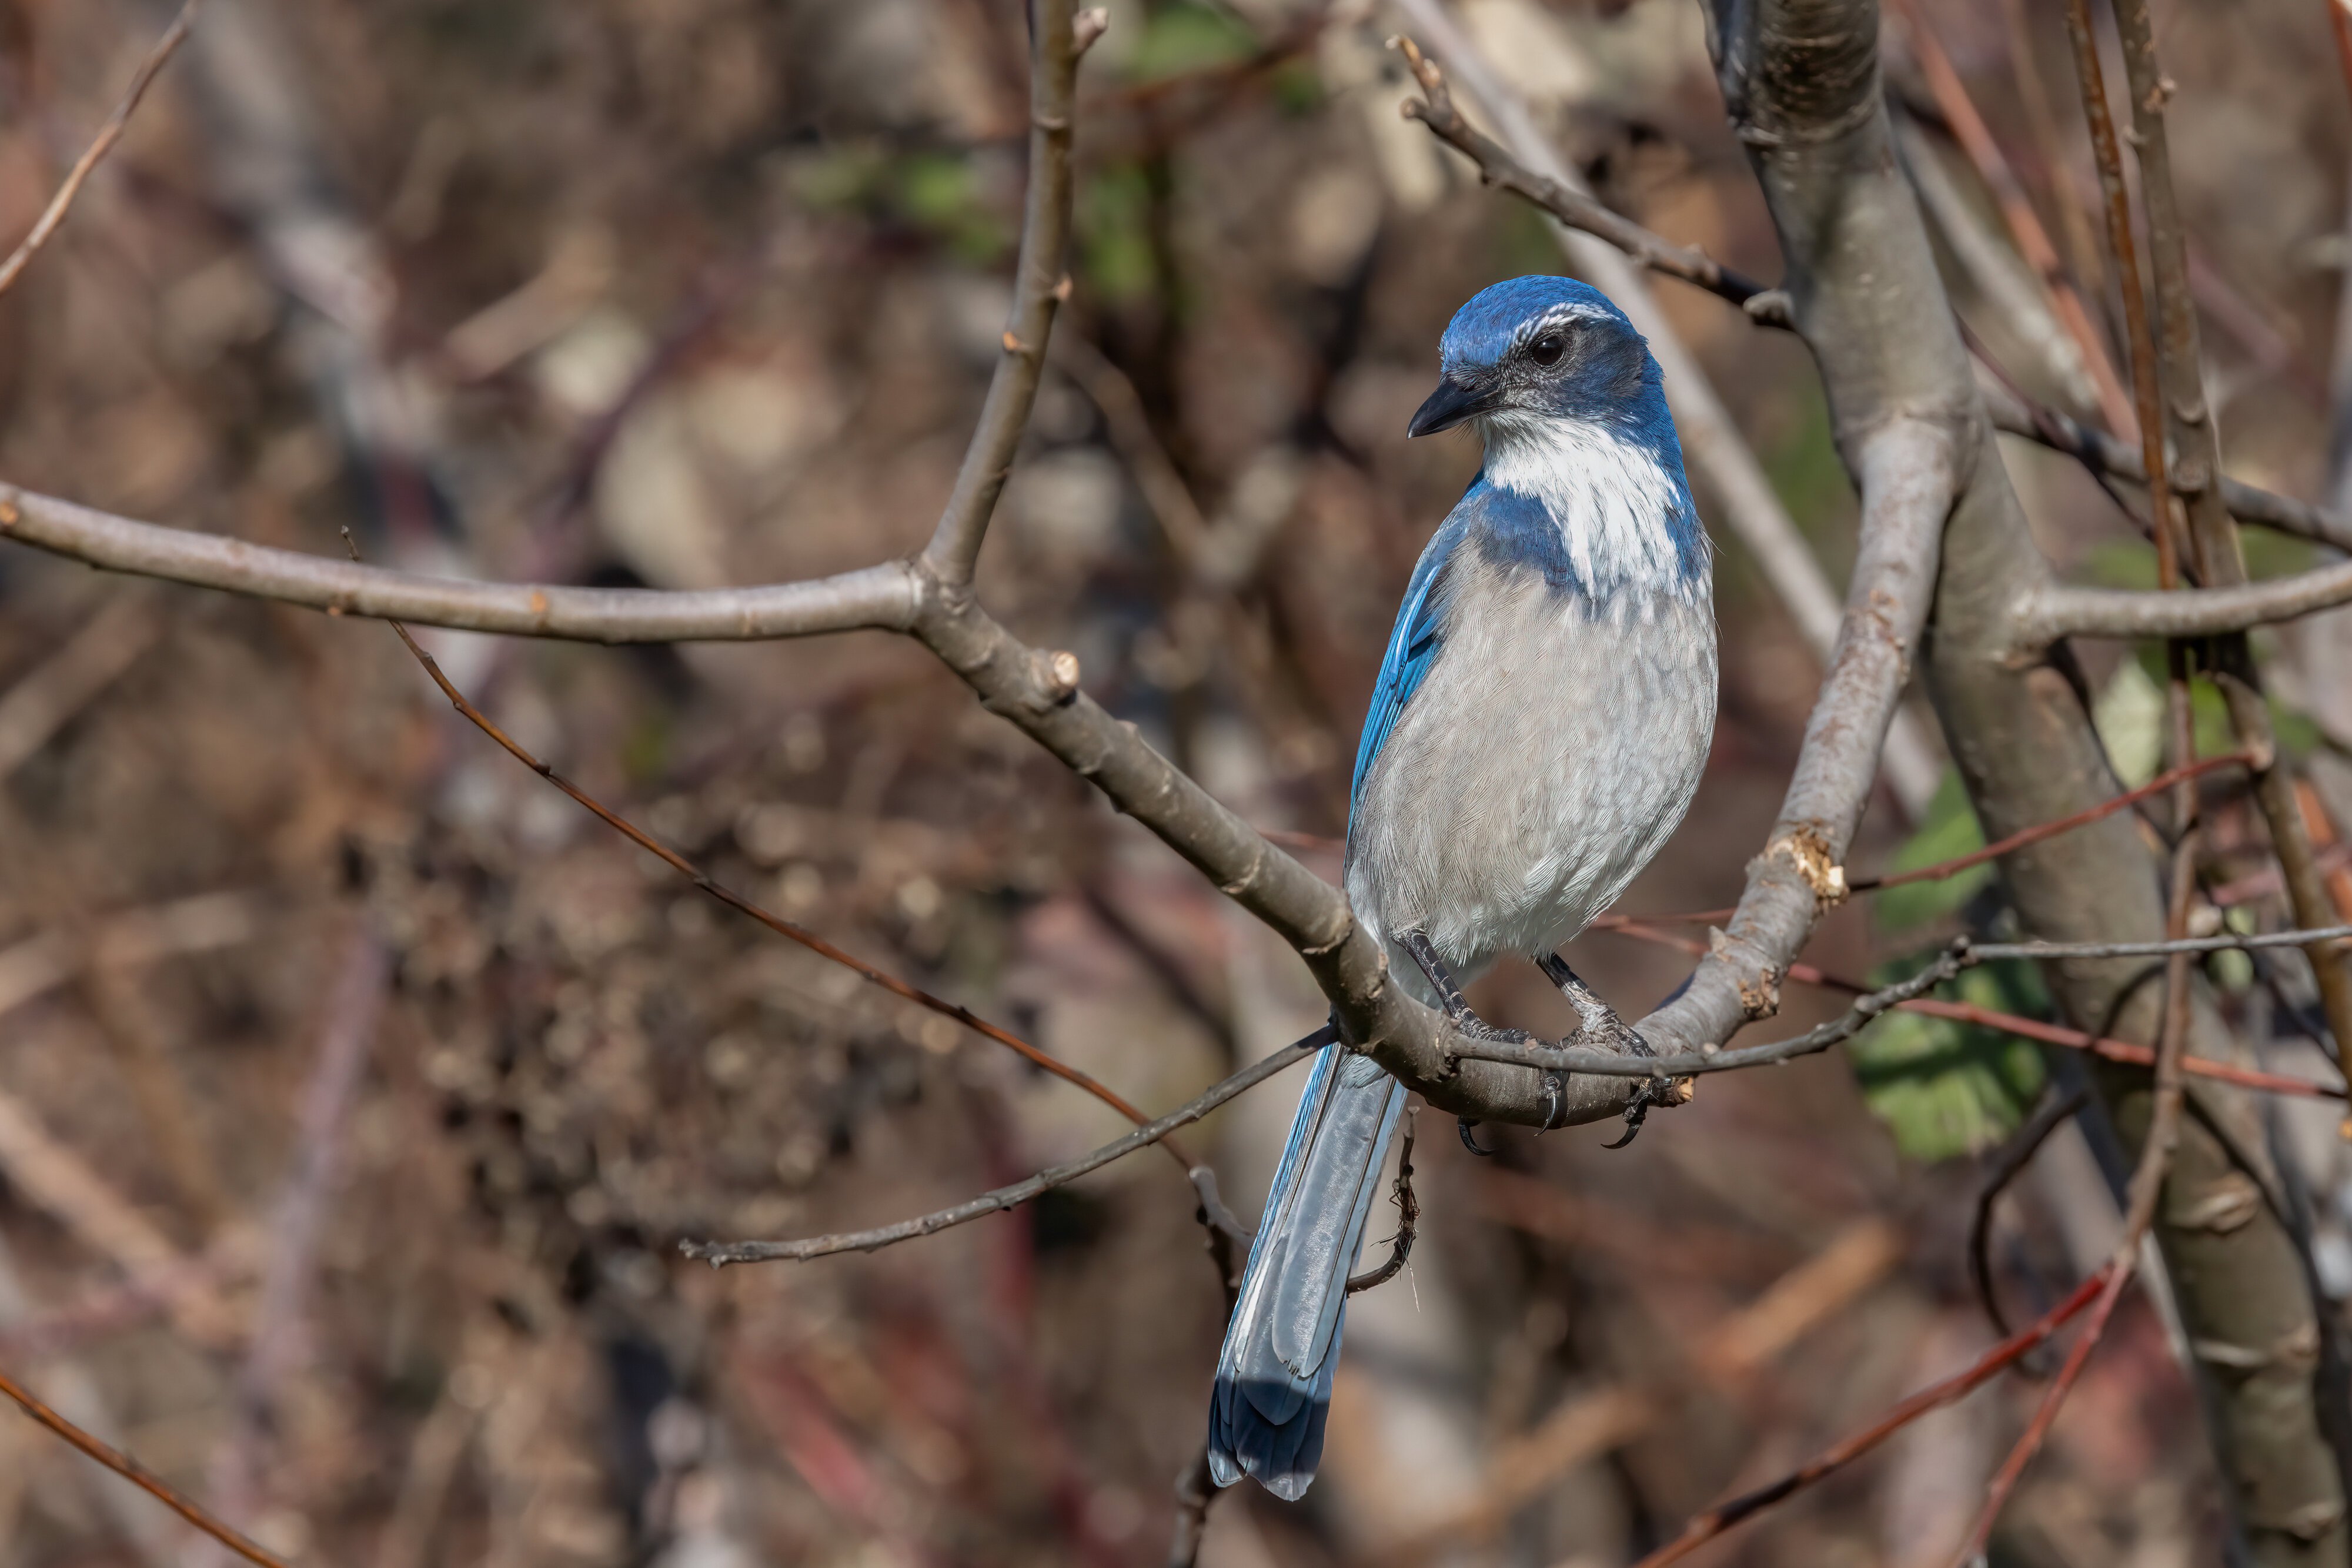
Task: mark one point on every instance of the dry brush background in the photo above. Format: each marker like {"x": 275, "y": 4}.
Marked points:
{"x": 355, "y": 1087}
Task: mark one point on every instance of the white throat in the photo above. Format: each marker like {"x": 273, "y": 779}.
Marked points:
{"x": 1614, "y": 501}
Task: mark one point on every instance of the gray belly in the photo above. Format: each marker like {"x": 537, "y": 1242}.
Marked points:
{"x": 1547, "y": 757}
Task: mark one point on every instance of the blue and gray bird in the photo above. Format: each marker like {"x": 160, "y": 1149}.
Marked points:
{"x": 1539, "y": 727}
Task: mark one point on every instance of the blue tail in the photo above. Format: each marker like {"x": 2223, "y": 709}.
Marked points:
{"x": 1273, "y": 1375}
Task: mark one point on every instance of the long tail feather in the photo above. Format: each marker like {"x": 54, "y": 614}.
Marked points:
{"x": 1273, "y": 1375}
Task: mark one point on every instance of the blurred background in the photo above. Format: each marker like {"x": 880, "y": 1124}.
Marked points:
{"x": 355, "y": 1087}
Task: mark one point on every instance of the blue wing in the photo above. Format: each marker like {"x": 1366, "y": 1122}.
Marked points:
{"x": 1413, "y": 644}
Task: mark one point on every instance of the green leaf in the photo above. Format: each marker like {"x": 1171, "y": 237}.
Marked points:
{"x": 1949, "y": 831}
{"x": 1182, "y": 38}
{"x": 1945, "y": 1088}
{"x": 1114, "y": 248}
{"x": 2129, "y": 715}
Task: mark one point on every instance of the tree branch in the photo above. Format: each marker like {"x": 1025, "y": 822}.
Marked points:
{"x": 2065, "y": 610}
{"x": 876, "y": 596}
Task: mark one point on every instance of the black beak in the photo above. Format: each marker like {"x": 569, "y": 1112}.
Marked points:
{"x": 1449, "y": 406}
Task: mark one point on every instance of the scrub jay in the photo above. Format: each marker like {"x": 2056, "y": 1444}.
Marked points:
{"x": 1539, "y": 725}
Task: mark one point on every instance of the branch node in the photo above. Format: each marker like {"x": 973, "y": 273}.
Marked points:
{"x": 1012, "y": 344}
{"x": 1807, "y": 851}
{"x": 2230, "y": 1205}
{"x": 1060, "y": 675}
{"x": 1086, "y": 26}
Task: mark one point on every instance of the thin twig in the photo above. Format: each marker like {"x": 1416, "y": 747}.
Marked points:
{"x": 108, "y": 135}
{"x": 1726, "y": 1515}
{"x": 1408, "y": 1212}
{"x": 2121, "y": 1051}
{"x": 717, "y": 1253}
{"x": 138, "y": 1475}
{"x": 2034, "y": 835}
{"x": 708, "y": 885}
{"x": 2015, "y": 1157}
{"x": 1961, "y": 954}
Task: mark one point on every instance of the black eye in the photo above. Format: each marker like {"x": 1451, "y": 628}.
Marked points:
{"x": 1546, "y": 349}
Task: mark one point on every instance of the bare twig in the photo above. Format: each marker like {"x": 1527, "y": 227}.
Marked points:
{"x": 2111, "y": 1050}
{"x": 2054, "y": 1114}
{"x": 1004, "y": 1197}
{"x": 1736, "y": 1511}
{"x": 130, "y": 1470}
{"x": 1408, "y": 1212}
{"x": 101, "y": 145}
{"x": 2018, "y": 841}
{"x": 1961, "y": 954}
{"x": 1056, "y": 40}
{"x": 1578, "y": 209}
{"x": 1196, "y": 1488}
{"x": 2148, "y": 369}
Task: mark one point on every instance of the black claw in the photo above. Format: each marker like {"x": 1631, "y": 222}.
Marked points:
{"x": 1637, "y": 1109}
{"x": 1463, "y": 1126}
{"x": 1554, "y": 1093}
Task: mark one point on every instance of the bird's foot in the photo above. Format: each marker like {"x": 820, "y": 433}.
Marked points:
{"x": 1424, "y": 953}
{"x": 1598, "y": 1025}
{"x": 1647, "y": 1091}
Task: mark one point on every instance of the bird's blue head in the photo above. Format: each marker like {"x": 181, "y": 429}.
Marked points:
{"x": 1543, "y": 347}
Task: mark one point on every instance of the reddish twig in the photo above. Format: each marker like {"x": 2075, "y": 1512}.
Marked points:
{"x": 1726, "y": 1515}
{"x": 706, "y": 883}
{"x": 2034, "y": 835}
{"x": 138, "y": 1475}
{"x": 2014, "y": 1023}
{"x": 108, "y": 135}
